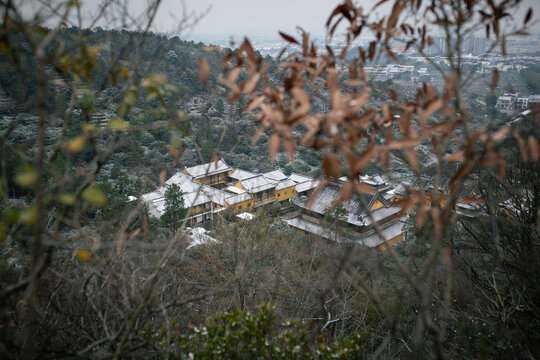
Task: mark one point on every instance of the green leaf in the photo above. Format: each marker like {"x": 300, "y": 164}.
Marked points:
{"x": 28, "y": 216}
{"x": 95, "y": 196}
{"x": 118, "y": 124}
{"x": 26, "y": 178}
{"x": 76, "y": 144}
{"x": 67, "y": 199}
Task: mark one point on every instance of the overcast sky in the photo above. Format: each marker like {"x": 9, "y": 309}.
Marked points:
{"x": 236, "y": 18}
{"x": 266, "y": 17}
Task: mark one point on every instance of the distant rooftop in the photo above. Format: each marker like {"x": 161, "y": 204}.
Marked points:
{"x": 239, "y": 174}
{"x": 208, "y": 169}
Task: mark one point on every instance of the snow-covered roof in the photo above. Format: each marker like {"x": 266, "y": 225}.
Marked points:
{"x": 217, "y": 196}
{"x": 257, "y": 184}
{"x": 297, "y": 178}
{"x": 195, "y": 198}
{"x": 207, "y": 169}
{"x": 239, "y": 174}
{"x": 183, "y": 181}
{"x": 306, "y": 185}
{"x": 276, "y": 175}
{"x": 284, "y": 184}
{"x": 235, "y": 199}
{"x": 356, "y": 213}
{"x": 235, "y": 190}
{"x": 152, "y": 196}
{"x": 246, "y": 216}
{"x": 371, "y": 239}
{"x": 388, "y": 232}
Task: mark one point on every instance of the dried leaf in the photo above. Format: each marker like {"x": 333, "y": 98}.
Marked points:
{"x": 501, "y": 134}
{"x": 365, "y": 158}
{"x": 365, "y": 188}
{"x": 346, "y": 192}
{"x": 393, "y": 95}
{"x": 533, "y": 146}
{"x": 528, "y": 16}
{"x": 457, "y": 156}
{"x": 494, "y": 80}
{"x": 313, "y": 196}
{"x": 331, "y": 165}
{"x": 122, "y": 237}
{"x": 204, "y": 70}
{"x": 255, "y": 102}
{"x": 162, "y": 177}
{"x": 273, "y": 146}
{"x": 146, "y": 227}
{"x": 288, "y": 38}
{"x": 522, "y": 145}
{"x": 447, "y": 254}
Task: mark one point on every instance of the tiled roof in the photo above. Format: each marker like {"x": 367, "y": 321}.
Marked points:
{"x": 195, "y": 198}
{"x": 257, "y": 184}
{"x": 217, "y": 196}
{"x": 184, "y": 181}
{"x": 276, "y": 175}
{"x": 234, "y": 190}
{"x": 388, "y": 232}
{"x": 207, "y": 169}
{"x": 152, "y": 196}
{"x": 306, "y": 185}
{"x": 297, "y": 178}
{"x": 235, "y": 199}
{"x": 284, "y": 184}
{"x": 329, "y": 195}
{"x": 239, "y": 174}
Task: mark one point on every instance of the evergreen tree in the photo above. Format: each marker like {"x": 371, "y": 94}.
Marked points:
{"x": 175, "y": 211}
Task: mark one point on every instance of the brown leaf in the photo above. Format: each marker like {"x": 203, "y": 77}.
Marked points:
{"x": 522, "y": 145}
{"x": 122, "y": 237}
{"x": 494, "y": 80}
{"x": 393, "y": 95}
{"x": 313, "y": 196}
{"x": 255, "y": 102}
{"x": 273, "y": 146}
{"x": 365, "y": 188}
{"x": 457, "y": 156}
{"x": 257, "y": 135}
{"x": 501, "y": 134}
{"x": 288, "y": 38}
{"x": 204, "y": 70}
{"x": 421, "y": 215}
{"x": 162, "y": 177}
{"x": 413, "y": 158}
{"x": 447, "y": 254}
{"x": 251, "y": 83}
{"x": 346, "y": 192}
{"x": 371, "y": 52}
{"x": 528, "y": 16}
{"x": 146, "y": 227}
{"x": 134, "y": 234}
{"x": 365, "y": 158}
{"x": 533, "y": 146}
{"x": 331, "y": 165}
{"x": 288, "y": 143}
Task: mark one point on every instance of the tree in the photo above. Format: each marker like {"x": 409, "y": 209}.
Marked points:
{"x": 121, "y": 285}
{"x": 175, "y": 212}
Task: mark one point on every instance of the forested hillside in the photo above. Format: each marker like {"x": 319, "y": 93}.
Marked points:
{"x": 92, "y": 119}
